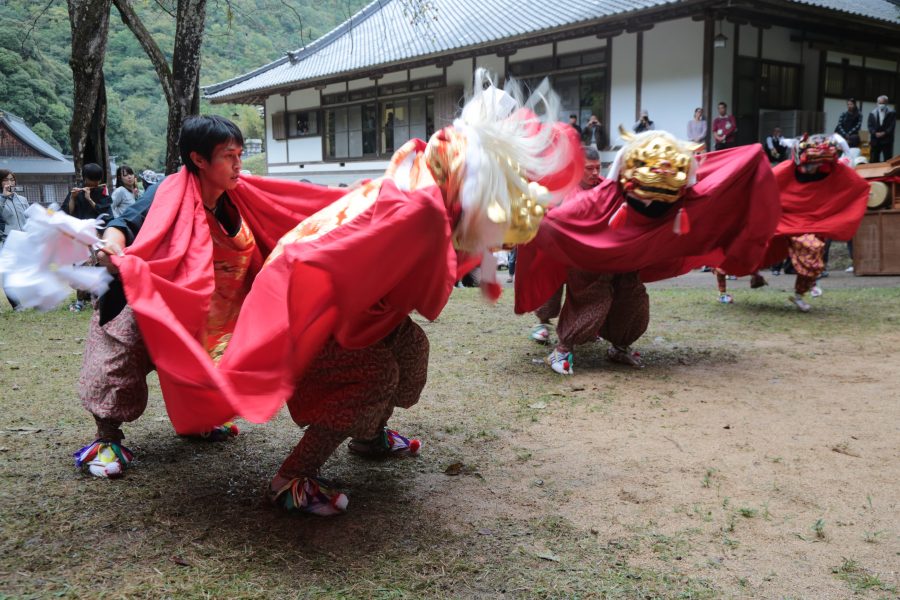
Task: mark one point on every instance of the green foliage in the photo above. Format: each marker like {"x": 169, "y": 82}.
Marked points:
{"x": 36, "y": 82}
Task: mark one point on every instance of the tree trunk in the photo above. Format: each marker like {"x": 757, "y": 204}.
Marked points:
{"x": 190, "y": 22}
{"x": 89, "y": 20}
{"x": 181, "y": 83}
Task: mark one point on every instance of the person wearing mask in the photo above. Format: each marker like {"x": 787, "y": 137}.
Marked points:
{"x": 724, "y": 128}
{"x": 696, "y": 128}
{"x": 849, "y": 124}
{"x": 882, "y": 121}
{"x": 126, "y": 192}
{"x": 12, "y": 211}
{"x": 590, "y": 179}
{"x": 644, "y": 123}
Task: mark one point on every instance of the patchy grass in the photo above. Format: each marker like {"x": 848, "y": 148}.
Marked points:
{"x": 190, "y": 519}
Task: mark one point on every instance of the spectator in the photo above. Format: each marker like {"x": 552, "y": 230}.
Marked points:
{"x": 89, "y": 202}
{"x": 12, "y": 211}
{"x": 881, "y": 124}
{"x": 126, "y": 192}
{"x": 573, "y": 121}
{"x": 593, "y": 134}
{"x": 724, "y": 128}
{"x": 92, "y": 200}
{"x": 696, "y": 128}
{"x": 644, "y": 123}
{"x": 776, "y": 147}
{"x": 849, "y": 124}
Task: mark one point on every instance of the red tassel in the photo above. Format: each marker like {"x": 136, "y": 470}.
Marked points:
{"x": 682, "y": 224}
{"x": 491, "y": 291}
{"x": 619, "y": 217}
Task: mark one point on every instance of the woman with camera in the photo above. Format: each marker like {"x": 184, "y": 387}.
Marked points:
{"x": 12, "y": 210}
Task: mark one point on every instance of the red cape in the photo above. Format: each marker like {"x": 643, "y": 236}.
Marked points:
{"x": 832, "y": 207}
{"x": 733, "y": 210}
{"x": 356, "y": 282}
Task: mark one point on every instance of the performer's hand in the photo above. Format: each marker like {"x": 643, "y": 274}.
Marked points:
{"x": 113, "y": 243}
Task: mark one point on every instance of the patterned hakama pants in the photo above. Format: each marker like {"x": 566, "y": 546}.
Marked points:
{"x": 807, "y": 254}
{"x": 614, "y": 306}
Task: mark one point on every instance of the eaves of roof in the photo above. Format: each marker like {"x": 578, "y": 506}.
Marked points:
{"x": 381, "y": 36}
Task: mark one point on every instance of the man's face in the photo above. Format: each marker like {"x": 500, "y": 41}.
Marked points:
{"x": 221, "y": 171}
{"x": 573, "y": 120}
{"x": 722, "y": 110}
{"x": 776, "y": 132}
{"x": 882, "y": 102}
{"x": 851, "y": 105}
{"x": 591, "y": 176}
{"x": 91, "y": 183}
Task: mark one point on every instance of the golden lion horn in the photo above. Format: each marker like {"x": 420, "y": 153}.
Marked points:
{"x": 625, "y": 134}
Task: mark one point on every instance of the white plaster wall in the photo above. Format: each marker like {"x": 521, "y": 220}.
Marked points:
{"x": 531, "y": 53}
{"x": 300, "y": 99}
{"x": 395, "y": 77}
{"x": 748, "y": 43}
{"x": 331, "y": 173}
{"x": 276, "y": 151}
{"x": 359, "y": 84}
{"x": 308, "y": 149}
{"x": 580, "y": 44}
{"x": 425, "y": 72}
{"x": 837, "y": 57}
{"x": 334, "y": 88}
{"x": 623, "y": 81}
{"x": 460, "y": 73}
{"x": 723, "y": 71}
{"x": 494, "y": 64}
{"x": 777, "y": 45}
{"x": 673, "y": 81}
{"x": 881, "y": 64}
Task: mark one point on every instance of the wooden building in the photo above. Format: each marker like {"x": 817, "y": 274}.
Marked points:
{"x": 43, "y": 171}
{"x": 337, "y": 108}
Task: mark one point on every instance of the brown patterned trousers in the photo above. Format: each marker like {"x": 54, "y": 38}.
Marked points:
{"x": 807, "y": 254}
{"x": 352, "y": 393}
{"x": 615, "y": 306}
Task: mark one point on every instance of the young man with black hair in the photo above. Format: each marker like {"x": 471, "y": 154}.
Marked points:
{"x": 112, "y": 385}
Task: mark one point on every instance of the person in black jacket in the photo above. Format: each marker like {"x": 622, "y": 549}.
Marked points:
{"x": 849, "y": 124}
{"x": 882, "y": 121}
{"x": 91, "y": 201}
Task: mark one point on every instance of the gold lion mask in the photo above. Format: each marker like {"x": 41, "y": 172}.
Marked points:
{"x": 655, "y": 166}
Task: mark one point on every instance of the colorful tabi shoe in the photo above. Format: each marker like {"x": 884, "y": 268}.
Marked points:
{"x": 815, "y": 292}
{"x": 561, "y": 362}
{"x": 798, "y": 301}
{"x": 757, "y": 281}
{"x": 540, "y": 333}
{"x": 388, "y": 443}
{"x": 625, "y": 356}
{"x": 310, "y": 495}
{"x": 220, "y": 433}
{"x": 104, "y": 459}
{"x": 726, "y": 299}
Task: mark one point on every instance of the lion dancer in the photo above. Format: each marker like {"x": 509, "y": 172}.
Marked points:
{"x": 657, "y": 215}
{"x": 551, "y": 308}
{"x": 325, "y": 325}
{"x": 821, "y": 198}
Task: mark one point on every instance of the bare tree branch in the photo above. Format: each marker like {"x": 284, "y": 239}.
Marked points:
{"x": 160, "y": 64}
{"x": 34, "y": 23}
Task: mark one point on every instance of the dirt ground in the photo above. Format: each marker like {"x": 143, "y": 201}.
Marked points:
{"x": 756, "y": 456}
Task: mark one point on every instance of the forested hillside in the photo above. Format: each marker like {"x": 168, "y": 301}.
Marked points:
{"x": 36, "y": 82}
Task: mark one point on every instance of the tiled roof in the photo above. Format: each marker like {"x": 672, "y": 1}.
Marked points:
{"x": 24, "y": 133}
{"x": 382, "y": 34}
{"x": 37, "y": 166}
